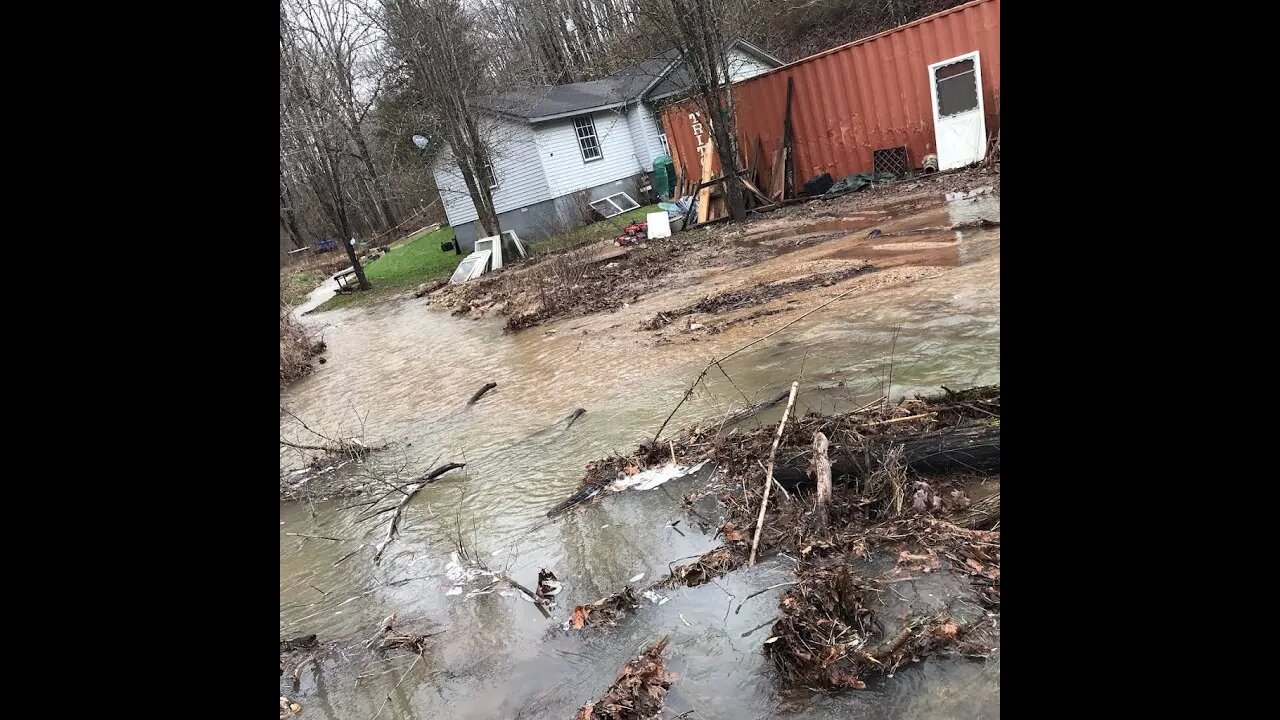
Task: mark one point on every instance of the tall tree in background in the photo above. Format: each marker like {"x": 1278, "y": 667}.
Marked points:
{"x": 702, "y": 30}
{"x": 313, "y": 136}
{"x": 437, "y": 40}
{"x": 341, "y": 40}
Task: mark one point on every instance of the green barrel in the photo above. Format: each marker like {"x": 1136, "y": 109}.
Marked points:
{"x": 664, "y": 176}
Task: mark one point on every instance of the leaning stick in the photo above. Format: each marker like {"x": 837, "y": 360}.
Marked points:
{"x": 768, "y": 480}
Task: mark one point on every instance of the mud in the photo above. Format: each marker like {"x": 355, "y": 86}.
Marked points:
{"x": 762, "y": 263}
{"x": 758, "y": 295}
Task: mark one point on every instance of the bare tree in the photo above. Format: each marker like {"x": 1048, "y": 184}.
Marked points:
{"x": 437, "y": 41}
{"x": 702, "y": 30}
{"x": 343, "y": 41}
{"x": 313, "y": 136}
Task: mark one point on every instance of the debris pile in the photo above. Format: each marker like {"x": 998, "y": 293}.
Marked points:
{"x": 639, "y": 692}
{"x": 898, "y": 560}
{"x": 604, "y": 612}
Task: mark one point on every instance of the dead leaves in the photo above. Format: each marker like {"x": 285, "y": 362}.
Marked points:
{"x": 603, "y": 612}
{"x": 731, "y": 532}
{"x": 639, "y": 692}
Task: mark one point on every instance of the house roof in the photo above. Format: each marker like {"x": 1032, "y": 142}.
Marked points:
{"x": 641, "y": 80}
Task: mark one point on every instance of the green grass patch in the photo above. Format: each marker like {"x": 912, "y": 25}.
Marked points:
{"x": 407, "y": 266}
{"x": 595, "y": 232}
{"x": 419, "y": 260}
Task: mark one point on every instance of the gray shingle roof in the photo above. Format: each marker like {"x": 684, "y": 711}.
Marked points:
{"x": 548, "y": 102}
{"x": 625, "y": 86}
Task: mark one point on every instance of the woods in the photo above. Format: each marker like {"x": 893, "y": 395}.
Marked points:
{"x": 360, "y": 78}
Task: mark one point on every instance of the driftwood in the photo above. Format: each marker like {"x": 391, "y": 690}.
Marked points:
{"x": 822, "y": 471}
{"x": 768, "y": 480}
{"x": 973, "y": 450}
{"x": 752, "y": 410}
{"x": 574, "y": 417}
{"x": 537, "y": 601}
{"x": 412, "y": 489}
{"x": 480, "y": 393}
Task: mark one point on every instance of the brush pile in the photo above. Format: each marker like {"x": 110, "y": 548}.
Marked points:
{"x": 639, "y": 692}
{"x": 297, "y": 346}
{"x": 604, "y": 612}
{"x": 903, "y": 563}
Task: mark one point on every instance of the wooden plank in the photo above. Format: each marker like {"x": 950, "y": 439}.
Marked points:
{"x": 778, "y": 175}
{"x": 704, "y": 197}
{"x": 755, "y": 191}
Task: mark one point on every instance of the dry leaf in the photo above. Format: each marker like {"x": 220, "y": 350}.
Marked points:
{"x": 631, "y": 469}
{"x": 947, "y": 630}
{"x": 579, "y": 618}
{"x": 731, "y": 532}
{"x": 584, "y": 713}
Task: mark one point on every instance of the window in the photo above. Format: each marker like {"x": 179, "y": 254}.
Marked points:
{"x": 957, "y": 88}
{"x": 662, "y": 135}
{"x": 588, "y": 142}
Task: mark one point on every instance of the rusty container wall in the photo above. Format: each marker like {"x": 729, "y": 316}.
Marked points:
{"x": 870, "y": 94}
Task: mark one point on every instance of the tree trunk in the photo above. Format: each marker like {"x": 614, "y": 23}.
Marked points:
{"x": 379, "y": 192}
{"x": 288, "y": 219}
{"x": 974, "y": 450}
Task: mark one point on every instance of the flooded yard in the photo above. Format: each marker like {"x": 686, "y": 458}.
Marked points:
{"x": 927, "y": 314}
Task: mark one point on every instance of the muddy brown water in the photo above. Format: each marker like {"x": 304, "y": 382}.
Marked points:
{"x": 403, "y": 373}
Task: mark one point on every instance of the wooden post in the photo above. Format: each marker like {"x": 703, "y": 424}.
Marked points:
{"x": 822, "y": 470}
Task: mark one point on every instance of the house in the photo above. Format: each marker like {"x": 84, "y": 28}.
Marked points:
{"x": 556, "y": 149}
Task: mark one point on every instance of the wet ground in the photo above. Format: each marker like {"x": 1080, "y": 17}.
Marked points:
{"x": 402, "y": 373}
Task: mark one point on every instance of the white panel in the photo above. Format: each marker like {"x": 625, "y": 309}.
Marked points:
{"x": 659, "y": 225}
{"x": 521, "y": 181}
{"x": 562, "y": 160}
{"x": 743, "y": 66}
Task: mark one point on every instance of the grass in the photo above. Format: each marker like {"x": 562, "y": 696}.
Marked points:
{"x": 419, "y": 260}
{"x": 408, "y": 265}
{"x": 602, "y": 230}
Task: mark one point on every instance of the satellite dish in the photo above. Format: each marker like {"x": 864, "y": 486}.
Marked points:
{"x": 420, "y": 141}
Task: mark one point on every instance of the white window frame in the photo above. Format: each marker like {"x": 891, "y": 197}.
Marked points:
{"x": 614, "y": 209}
{"x": 595, "y": 137}
{"x": 662, "y": 134}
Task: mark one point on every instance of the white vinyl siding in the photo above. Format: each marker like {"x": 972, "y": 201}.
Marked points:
{"x": 645, "y": 132}
{"x": 516, "y": 170}
{"x": 743, "y": 66}
{"x": 567, "y": 172}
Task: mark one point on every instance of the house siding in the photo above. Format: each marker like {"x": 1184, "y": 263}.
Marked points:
{"x": 566, "y": 172}
{"x": 521, "y": 182}
{"x": 644, "y": 131}
{"x": 743, "y": 66}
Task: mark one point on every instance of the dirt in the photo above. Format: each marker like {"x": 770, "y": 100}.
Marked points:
{"x": 729, "y": 274}
{"x": 758, "y": 295}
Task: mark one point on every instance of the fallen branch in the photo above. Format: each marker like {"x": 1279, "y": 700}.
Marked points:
{"x": 768, "y": 480}
{"x": 394, "y": 525}
{"x": 574, "y": 417}
{"x": 537, "y": 601}
{"x": 316, "y": 537}
{"x": 480, "y": 393}
{"x": 761, "y": 592}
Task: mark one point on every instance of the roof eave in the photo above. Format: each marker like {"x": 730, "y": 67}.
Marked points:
{"x": 584, "y": 111}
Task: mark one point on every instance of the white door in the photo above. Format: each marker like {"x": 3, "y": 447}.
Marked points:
{"x": 959, "y": 127}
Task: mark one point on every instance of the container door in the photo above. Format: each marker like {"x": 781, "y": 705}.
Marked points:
{"x": 959, "y": 126}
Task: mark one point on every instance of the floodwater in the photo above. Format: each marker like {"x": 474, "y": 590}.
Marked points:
{"x": 402, "y": 373}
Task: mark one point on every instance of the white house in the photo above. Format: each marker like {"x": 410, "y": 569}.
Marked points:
{"x": 557, "y": 148}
